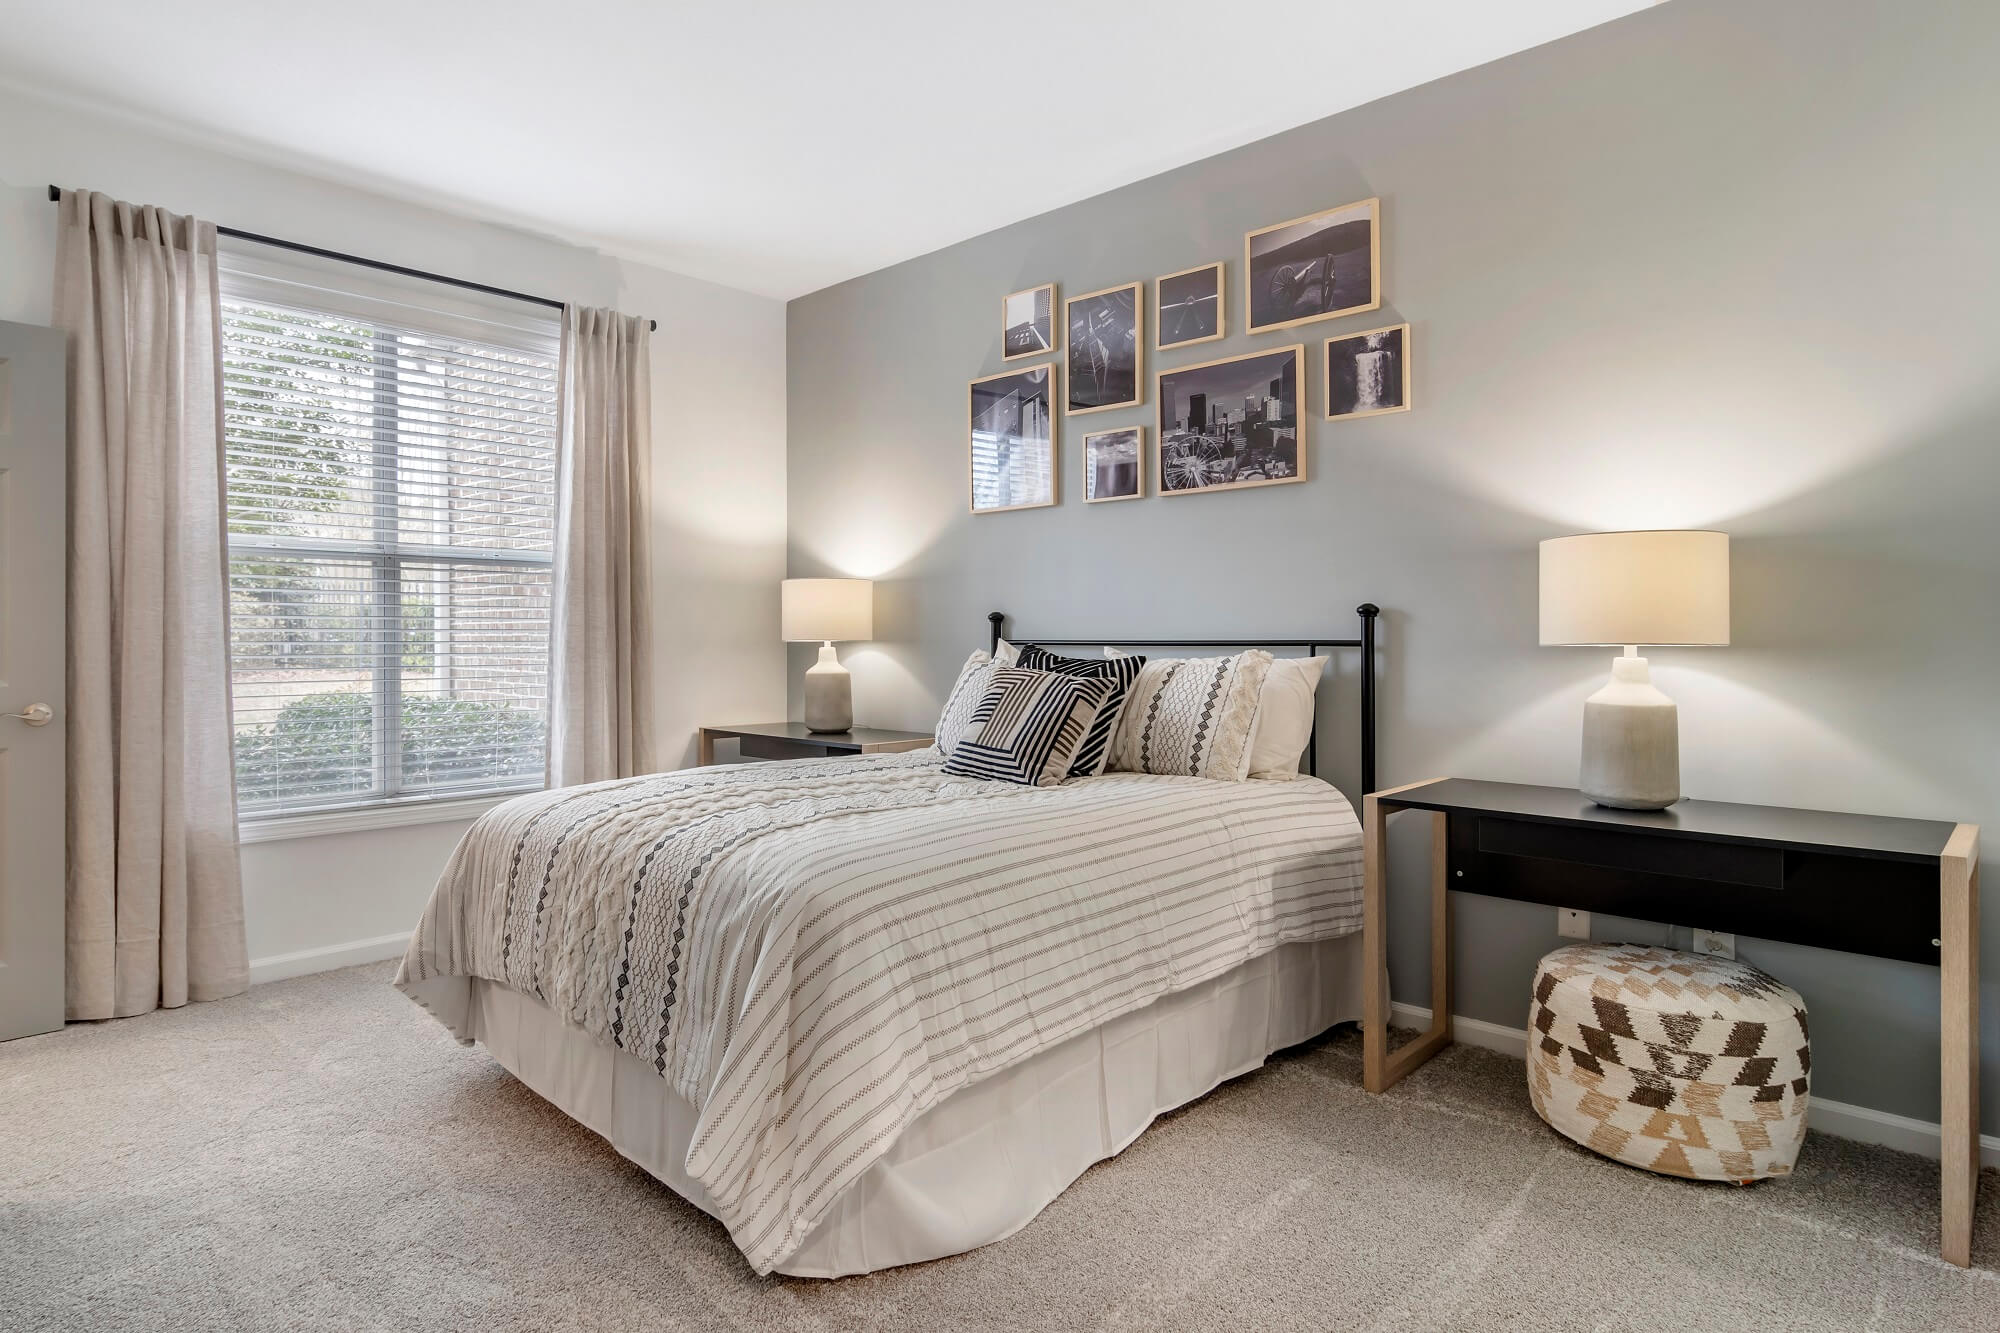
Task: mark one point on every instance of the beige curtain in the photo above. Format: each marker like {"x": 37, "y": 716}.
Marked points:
{"x": 155, "y": 898}
{"x": 600, "y": 684}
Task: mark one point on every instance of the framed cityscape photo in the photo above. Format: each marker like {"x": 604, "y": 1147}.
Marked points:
{"x": 1368, "y": 373}
{"x": 1321, "y": 266}
{"x": 1113, "y": 465}
{"x": 1187, "y": 307}
{"x": 1103, "y": 337}
{"x": 1011, "y": 439}
{"x": 1028, "y": 322}
{"x": 1231, "y": 423}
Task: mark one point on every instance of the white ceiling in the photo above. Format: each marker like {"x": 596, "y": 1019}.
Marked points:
{"x": 773, "y": 145}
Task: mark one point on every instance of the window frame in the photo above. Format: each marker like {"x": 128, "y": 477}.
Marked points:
{"x": 246, "y": 279}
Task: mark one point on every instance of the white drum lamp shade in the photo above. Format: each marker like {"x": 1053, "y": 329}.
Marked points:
{"x": 826, "y": 610}
{"x": 1632, "y": 588}
{"x": 1665, "y": 588}
{"x": 822, "y": 611}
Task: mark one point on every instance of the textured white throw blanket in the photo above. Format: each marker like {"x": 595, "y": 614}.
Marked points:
{"x": 815, "y": 953}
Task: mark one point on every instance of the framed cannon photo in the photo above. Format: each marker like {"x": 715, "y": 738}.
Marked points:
{"x": 1320, "y": 266}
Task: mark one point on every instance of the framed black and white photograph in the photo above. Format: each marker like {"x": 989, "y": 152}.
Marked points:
{"x": 1103, "y": 335}
{"x": 1368, "y": 373}
{"x": 1012, "y": 439}
{"x": 1231, "y": 423}
{"x": 1028, "y": 322}
{"x": 1113, "y": 465}
{"x": 1317, "y": 267}
{"x": 1187, "y": 307}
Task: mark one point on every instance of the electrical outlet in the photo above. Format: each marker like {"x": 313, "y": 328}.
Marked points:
{"x": 1715, "y": 943}
{"x": 1572, "y": 924}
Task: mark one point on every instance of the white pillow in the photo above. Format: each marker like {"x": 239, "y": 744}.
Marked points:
{"x": 1284, "y": 725}
{"x": 966, "y": 692}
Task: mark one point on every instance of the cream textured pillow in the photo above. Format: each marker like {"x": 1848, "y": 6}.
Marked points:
{"x": 1191, "y": 716}
{"x": 973, "y": 679}
{"x": 1285, "y": 717}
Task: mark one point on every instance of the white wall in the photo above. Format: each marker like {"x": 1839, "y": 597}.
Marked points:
{"x": 718, "y": 464}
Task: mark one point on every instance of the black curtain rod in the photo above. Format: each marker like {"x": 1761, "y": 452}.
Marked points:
{"x": 55, "y": 196}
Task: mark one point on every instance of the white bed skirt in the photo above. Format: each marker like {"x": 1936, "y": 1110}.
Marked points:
{"x": 979, "y": 1166}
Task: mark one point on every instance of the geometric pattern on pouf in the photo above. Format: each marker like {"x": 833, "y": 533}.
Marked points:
{"x": 1676, "y": 1062}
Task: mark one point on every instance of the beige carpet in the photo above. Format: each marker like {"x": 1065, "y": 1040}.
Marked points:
{"x": 319, "y": 1155}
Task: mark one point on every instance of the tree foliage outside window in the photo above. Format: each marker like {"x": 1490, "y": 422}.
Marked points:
{"x": 391, "y": 531}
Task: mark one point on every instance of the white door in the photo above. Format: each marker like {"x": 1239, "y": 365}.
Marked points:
{"x": 33, "y": 544}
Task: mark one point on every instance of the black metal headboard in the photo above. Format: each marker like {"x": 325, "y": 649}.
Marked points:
{"x": 1368, "y": 611}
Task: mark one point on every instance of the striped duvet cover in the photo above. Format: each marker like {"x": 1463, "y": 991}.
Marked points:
{"x": 815, "y": 953}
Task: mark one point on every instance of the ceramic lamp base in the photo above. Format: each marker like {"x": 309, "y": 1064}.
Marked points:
{"x": 829, "y": 694}
{"x": 1631, "y": 741}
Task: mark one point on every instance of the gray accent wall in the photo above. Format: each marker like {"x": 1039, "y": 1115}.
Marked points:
{"x": 1717, "y": 264}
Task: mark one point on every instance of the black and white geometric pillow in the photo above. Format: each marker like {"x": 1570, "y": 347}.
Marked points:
{"x": 1028, "y": 727}
{"x": 1090, "y": 760}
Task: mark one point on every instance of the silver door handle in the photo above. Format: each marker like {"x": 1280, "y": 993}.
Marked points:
{"x": 35, "y": 715}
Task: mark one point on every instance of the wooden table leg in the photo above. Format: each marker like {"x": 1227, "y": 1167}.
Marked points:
{"x": 704, "y": 753}
{"x": 1380, "y": 1069}
{"x": 1959, "y": 1026}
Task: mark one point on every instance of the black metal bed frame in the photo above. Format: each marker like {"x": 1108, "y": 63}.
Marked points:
{"x": 1368, "y": 612}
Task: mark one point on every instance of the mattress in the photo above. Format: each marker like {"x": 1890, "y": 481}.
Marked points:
{"x": 814, "y": 955}
{"x": 981, "y": 1165}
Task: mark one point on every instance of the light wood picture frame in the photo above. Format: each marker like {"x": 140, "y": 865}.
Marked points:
{"x": 1368, "y": 373}
{"x": 1105, "y": 463}
{"x": 1028, "y": 323}
{"x": 1104, "y": 337}
{"x": 1193, "y": 302}
{"x": 1231, "y": 423}
{"x": 1012, "y": 451}
{"x": 1320, "y": 266}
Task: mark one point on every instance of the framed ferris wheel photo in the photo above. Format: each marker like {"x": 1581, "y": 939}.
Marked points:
{"x": 1231, "y": 423}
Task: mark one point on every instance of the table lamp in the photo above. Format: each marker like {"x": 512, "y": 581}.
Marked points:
{"x": 1632, "y": 588}
{"x": 820, "y": 611}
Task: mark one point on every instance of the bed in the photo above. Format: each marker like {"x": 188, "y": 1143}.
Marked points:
{"x": 866, "y": 1012}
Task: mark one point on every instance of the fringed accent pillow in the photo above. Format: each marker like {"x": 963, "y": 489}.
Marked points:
{"x": 1028, "y": 727}
{"x": 1191, "y": 716}
{"x": 1120, "y": 671}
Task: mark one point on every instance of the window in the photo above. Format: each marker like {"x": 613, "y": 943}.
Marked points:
{"x": 391, "y": 471}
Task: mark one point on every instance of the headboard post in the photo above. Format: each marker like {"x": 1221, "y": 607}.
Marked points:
{"x": 993, "y": 639}
{"x": 1368, "y": 611}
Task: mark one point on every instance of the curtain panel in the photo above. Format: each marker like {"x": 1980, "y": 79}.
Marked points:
{"x": 155, "y": 897}
{"x": 600, "y": 680}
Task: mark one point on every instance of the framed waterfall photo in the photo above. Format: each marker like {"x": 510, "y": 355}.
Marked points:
{"x": 1011, "y": 439}
{"x": 1368, "y": 373}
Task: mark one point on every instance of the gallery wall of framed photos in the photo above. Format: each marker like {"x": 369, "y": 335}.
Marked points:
{"x": 1225, "y": 423}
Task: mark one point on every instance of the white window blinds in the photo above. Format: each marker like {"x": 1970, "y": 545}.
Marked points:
{"x": 391, "y": 469}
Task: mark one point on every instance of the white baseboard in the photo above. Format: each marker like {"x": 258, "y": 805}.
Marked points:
{"x": 1825, "y": 1115}
{"x": 280, "y": 966}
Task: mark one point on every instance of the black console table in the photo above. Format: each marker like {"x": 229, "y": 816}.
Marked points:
{"x": 1892, "y": 888}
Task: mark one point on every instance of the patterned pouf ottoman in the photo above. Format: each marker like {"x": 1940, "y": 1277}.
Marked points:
{"x": 1676, "y": 1062}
